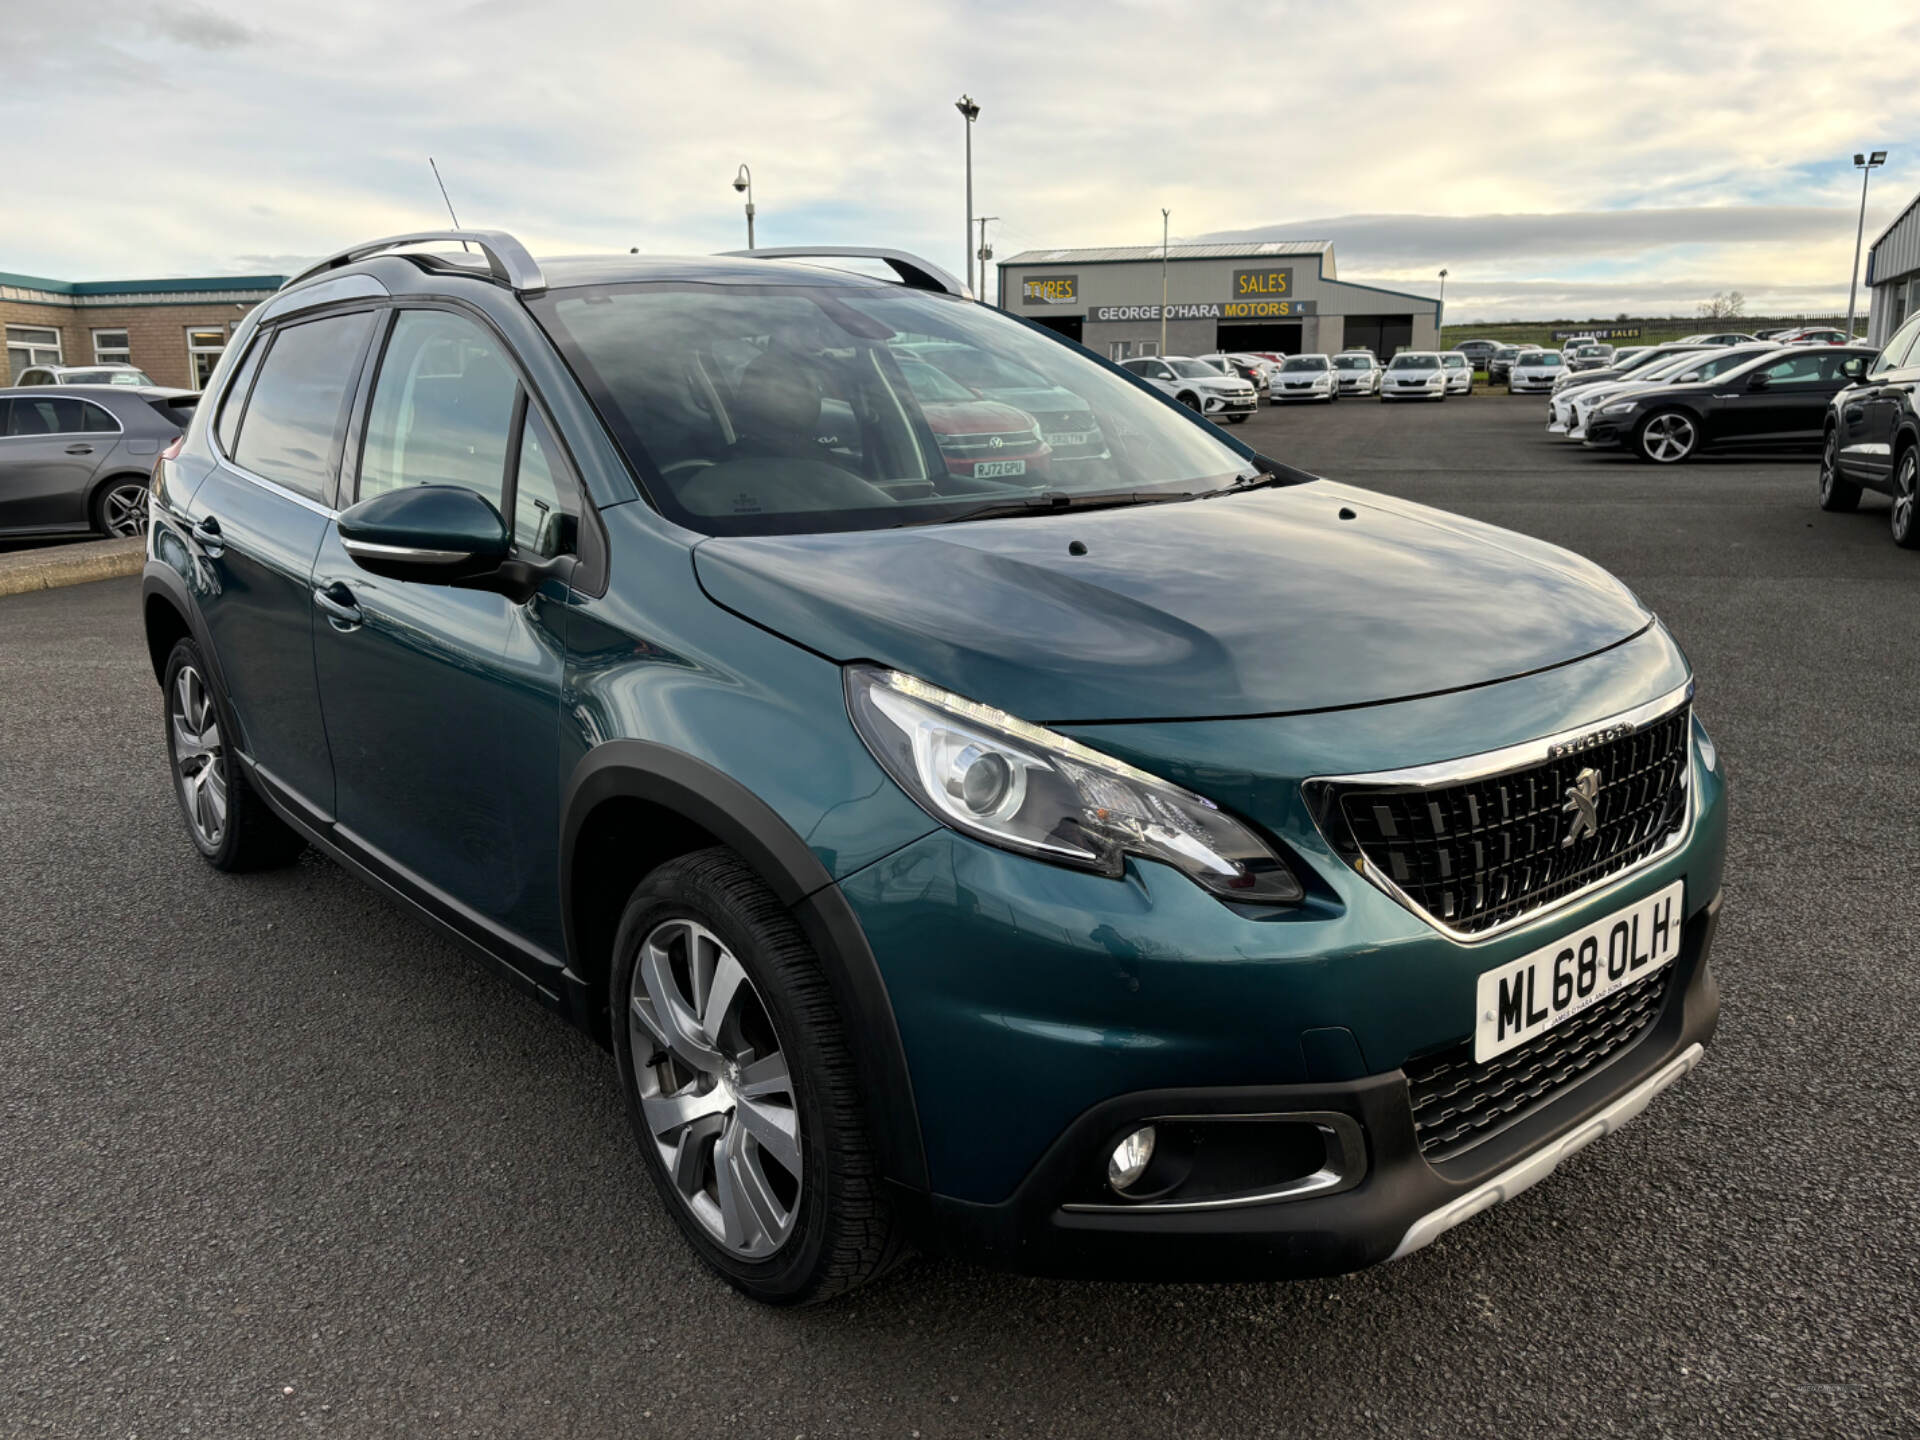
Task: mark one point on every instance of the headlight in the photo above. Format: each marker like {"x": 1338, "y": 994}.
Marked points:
{"x": 1024, "y": 788}
{"x": 1617, "y": 407}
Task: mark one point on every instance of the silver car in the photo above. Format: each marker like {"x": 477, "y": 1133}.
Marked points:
{"x": 79, "y": 458}
{"x": 1358, "y": 372}
{"x": 1534, "y": 371}
{"x": 115, "y": 374}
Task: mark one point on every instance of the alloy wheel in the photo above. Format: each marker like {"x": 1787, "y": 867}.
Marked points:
{"x": 1906, "y": 493}
{"x": 715, "y": 1088}
{"x": 1829, "y": 464}
{"x": 123, "y": 510}
{"x": 199, "y": 758}
{"x": 1667, "y": 438}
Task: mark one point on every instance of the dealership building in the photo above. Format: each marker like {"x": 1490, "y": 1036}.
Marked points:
{"x": 1279, "y": 295}
{"x": 172, "y": 329}
{"x": 1893, "y": 275}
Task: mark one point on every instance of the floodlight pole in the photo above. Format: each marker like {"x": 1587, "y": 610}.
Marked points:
{"x": 971, "y": 112}
{"x": 1163, "y": 282}
{"x": 1866, "y": 164}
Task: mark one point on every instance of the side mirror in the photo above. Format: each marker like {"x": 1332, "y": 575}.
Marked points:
{"x": 440, "y": 535}
{"x": 1759, "y": 380}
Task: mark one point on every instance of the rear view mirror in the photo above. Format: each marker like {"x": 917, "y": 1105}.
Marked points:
{"x": 440, "y": 535}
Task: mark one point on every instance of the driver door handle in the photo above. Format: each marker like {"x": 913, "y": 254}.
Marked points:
{"x": 336, "y": 600}
{"x": 79, "y": 449}
{"x": 207, "y": 532}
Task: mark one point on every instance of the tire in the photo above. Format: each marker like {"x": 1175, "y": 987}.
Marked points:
{"x": 1906, "y": 499}
{"x": 1667, "y": 437}
{"x": 1190, "y": 400}
{"x": 229, "y": 824}
{"x": 1236, "y": 419}
{"x": 802, "y": 1217}
{"x": 1837, "y": 495}
{"x": 119, "y": 508}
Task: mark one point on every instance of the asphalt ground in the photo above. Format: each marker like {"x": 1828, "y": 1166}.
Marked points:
{"x": 275, "y": 1158}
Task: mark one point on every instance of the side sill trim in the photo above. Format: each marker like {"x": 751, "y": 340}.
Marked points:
{"x": 1542, "y": 1163}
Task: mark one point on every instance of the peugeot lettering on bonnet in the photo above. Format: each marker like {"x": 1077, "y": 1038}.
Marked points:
{"x": 1149, "y": 860}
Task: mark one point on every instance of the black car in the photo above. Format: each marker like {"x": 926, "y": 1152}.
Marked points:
{"x": 76, "y": 459}
{"x": 1871, "y": 439}
{"x": 1500, "y": 362}
{"x": 1777, "y": 401}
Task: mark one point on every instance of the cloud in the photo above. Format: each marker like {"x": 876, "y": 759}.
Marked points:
{"x": 201, "y": 28}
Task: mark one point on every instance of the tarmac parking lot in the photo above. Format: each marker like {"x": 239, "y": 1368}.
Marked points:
{"x": 278, "y": 1158}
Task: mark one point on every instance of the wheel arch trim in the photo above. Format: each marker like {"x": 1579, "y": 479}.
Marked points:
{"x": 704, "y": 795}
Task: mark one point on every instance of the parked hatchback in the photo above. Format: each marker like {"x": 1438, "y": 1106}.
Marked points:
{"x": 77, "y": 459}
{"x": 1181, "y": 866}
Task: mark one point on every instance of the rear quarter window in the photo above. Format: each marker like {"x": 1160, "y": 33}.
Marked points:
{"x": 291, "y": 431}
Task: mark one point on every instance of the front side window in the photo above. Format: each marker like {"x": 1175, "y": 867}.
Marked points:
{"x": 1895, "y": 353}
{"x": 1807, "y": 369}
{"x": 1194, "y": 369}
{"x": 442, "y": 410}
{"x": 296, "y": 412}
{"x": 782, "y": 409}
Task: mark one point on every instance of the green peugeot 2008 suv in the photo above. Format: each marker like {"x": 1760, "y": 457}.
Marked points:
{"x": 1133, "y": 860}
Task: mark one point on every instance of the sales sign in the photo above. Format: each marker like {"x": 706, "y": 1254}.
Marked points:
{"x": 1263, "y": 284}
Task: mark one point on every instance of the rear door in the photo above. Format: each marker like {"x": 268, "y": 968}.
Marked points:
{"x": 1872, "y": 412}
{"x": 50, "y": 448}
{"x": 256, "y": 525}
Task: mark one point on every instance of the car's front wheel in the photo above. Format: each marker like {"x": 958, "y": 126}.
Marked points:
{"x": 1190, "y": 400}
{"x": 1836, "y": 494}
{"x": 229, "y": 824}
{"x": 1667, "y": 437}
{"x": 1906, "y": 499}
{"x": 741, "y": 1085}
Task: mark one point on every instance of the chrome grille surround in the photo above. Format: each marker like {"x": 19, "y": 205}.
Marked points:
{"x": 1324, "y": 794}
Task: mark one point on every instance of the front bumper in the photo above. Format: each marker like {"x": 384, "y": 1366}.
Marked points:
{"x": 1286, "y": 392}
{"x": 1400, "y": 1204}
{"x": 1606, "y": 432}
{"x": 1212, "y": 404}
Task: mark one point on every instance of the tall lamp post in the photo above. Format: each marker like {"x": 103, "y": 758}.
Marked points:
{"x": 1163, "y": 282}
{"x": 971, "y": 111}
{"x": 743, "y": 183}
{"x": 1866, "y": 165}
{"x": 1440, "y": 316}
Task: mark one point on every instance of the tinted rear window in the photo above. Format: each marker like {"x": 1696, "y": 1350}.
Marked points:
{"x": 48, "y": 415}
{"x": 294, "y": 415}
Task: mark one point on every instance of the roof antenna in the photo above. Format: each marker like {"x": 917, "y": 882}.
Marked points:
{"x": 444, "y": 196}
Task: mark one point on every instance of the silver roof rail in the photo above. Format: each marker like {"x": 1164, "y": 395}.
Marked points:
{"x": 507, "y": 259}
{"x": 915, "y": 273}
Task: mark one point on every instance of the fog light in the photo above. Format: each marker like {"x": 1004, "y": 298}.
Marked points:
{"x": 1130, "y": 1157}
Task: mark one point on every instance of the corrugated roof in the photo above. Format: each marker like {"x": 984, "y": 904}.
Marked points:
{"x": 1241, "y": 250}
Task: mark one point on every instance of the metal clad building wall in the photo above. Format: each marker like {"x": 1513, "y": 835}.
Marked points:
{"x": 1892, "y": 263}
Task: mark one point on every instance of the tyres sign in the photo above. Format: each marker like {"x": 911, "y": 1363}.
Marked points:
{"x": 1051, "y": 290}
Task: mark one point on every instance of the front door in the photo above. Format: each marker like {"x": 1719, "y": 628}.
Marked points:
{"x": 1780, "y": 403}
{"x": 442, "y": 704}
{"x": 50, "y": 447}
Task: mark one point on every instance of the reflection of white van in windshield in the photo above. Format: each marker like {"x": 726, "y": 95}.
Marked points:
{"x": 1304, "y": 377}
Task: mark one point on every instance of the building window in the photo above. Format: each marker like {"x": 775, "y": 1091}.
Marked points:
{"x": 1119, "y": 349}
{"x": 1148, "y": 347}
{"x": 203, "y": 353}
{"x": 111, "y": 347}
{"x": 30, "y": 345}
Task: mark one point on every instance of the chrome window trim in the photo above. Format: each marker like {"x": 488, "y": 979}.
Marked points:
{"x": 1320, "y": 792}
{"x": 1345, "y": 1168}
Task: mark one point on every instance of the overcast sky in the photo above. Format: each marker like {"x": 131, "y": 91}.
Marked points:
{"x": 1556, "y": 159}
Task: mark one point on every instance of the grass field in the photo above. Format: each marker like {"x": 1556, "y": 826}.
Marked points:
{"x": 1652, "y": 332}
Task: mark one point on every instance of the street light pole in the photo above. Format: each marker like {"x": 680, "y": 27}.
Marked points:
{"x": 743, "y": 183}
{"x": 971, "y": 111}
{"x": 1440, "y": 315}
{"x": 1163, "y": 282}
{"x": 985, "y": 253}
{"x": 1866, "y": 164}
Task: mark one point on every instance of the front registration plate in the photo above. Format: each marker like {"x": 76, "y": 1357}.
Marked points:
{"x": 1068, "y": 437}
{"x": 1527, "y": 997}
{"x": 986, "y": 469}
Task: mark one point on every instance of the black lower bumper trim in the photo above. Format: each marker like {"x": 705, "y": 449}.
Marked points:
{"x": 1030, "y": 1232}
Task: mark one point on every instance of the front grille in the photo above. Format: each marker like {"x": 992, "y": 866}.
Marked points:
{"x": 984, "y": 444}
{"x": 1457, "y": 1104}
{"x": 1480, "y": 854}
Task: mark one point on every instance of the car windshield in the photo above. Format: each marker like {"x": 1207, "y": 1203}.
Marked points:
{"x": 1506, "y": 352}
{"x": 1414, "y": 362}
{"x": 777, "y": 409}
{"x": 1455, "y": 361}
{"x": 1353, "y": 362}
{"x": 1543, "y": 359}
{"x": 1194, "y": 370}
{"x": 1305, "y": 362}
{"x": 106, "y": 377}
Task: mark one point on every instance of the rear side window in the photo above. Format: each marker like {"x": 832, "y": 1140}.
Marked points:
{"x": 442, "y": 408}
{"x": 97, "y": 421}
{"x": 46, "y": 415}
{"x": 235, "y": 399}
{"x": 298, "y": 405}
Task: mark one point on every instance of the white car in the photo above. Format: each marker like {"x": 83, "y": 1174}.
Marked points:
{"x": 1236, "y": 363}
{"x": 1698, "y": 368}
{"x": 114, "y": 374}
{"x": 1305, "y": 377}
{"x": 1197, "y": 385}
{"x": 1414, "y": 375}
{"x": 1459, "y": 368}
{"x": 1534, "y": 371}
{"x": 1357, "y": 372}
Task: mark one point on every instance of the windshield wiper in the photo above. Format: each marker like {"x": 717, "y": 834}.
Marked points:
{"x": 1053, "y": 502}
